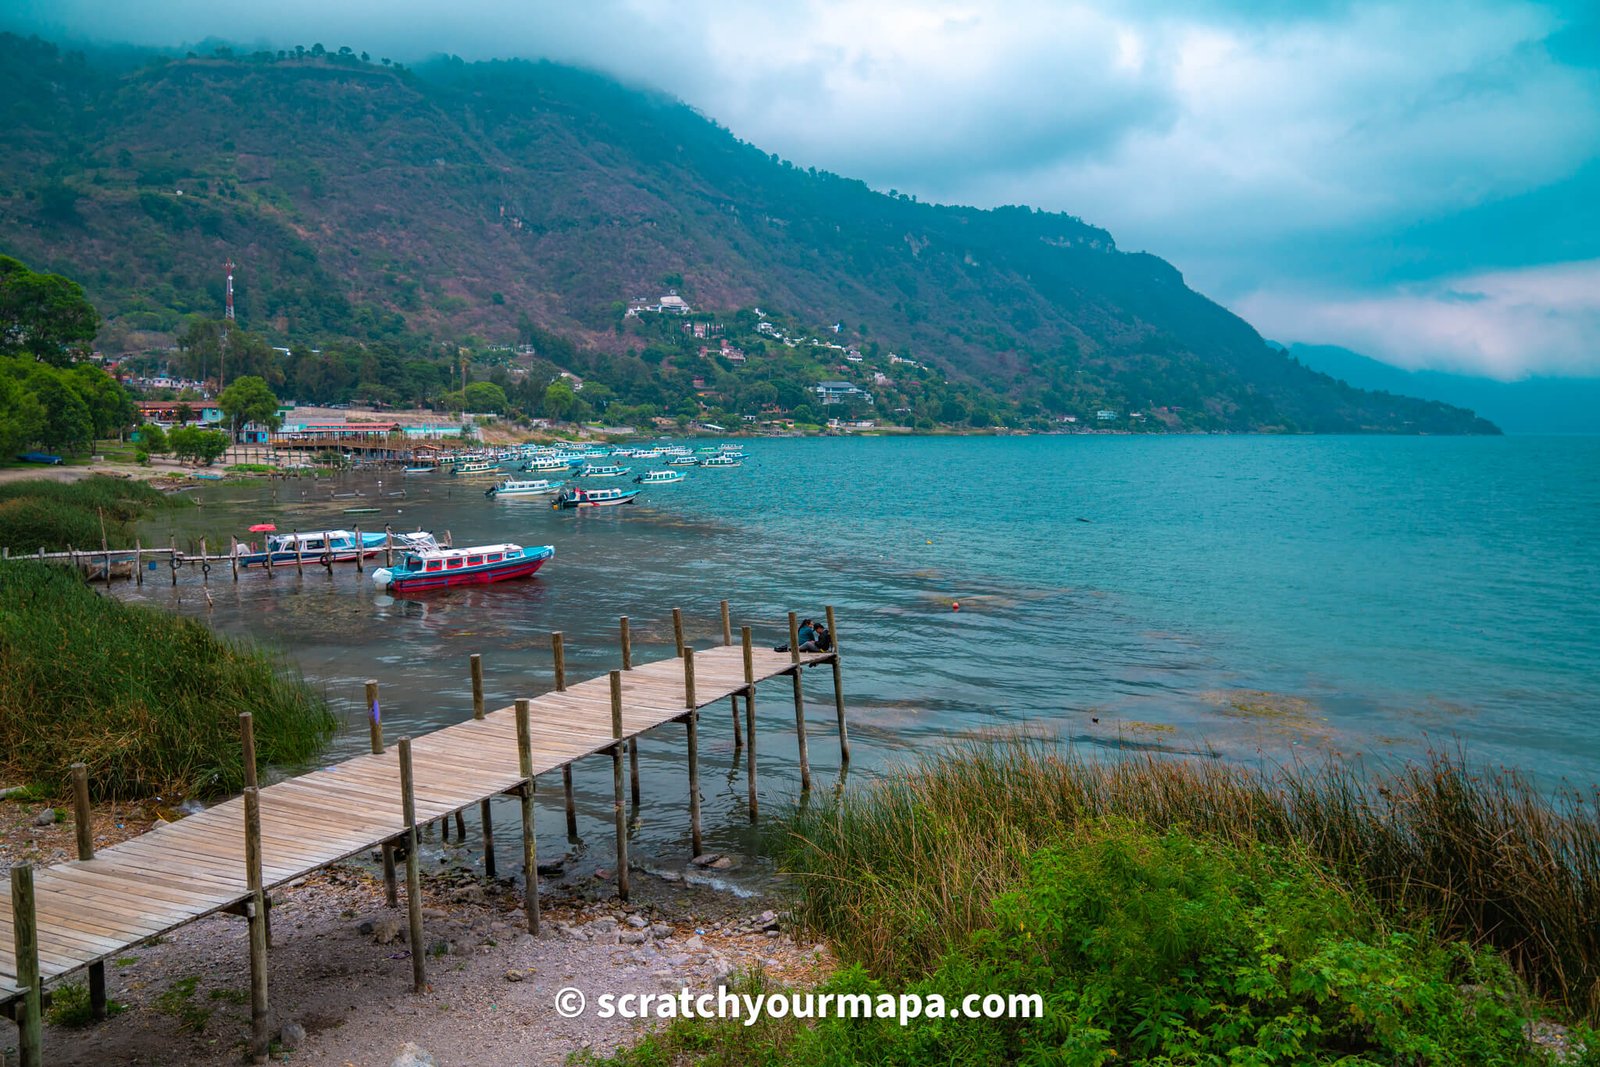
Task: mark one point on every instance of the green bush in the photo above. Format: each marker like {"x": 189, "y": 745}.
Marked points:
{"x": 149, "y": 701}
{"x": 38, "y": 514}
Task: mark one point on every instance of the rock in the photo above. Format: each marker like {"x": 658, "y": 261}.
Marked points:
{"x": 467, "y": 894}
{"x": 412, "y": 1055}
{"x": 552, "y": 870}
{"x": 767, "y": 918}
{"x": 574, "y": 933}
{"x": 631, "y": 937}
{"x": 435, "y": 913}
{"x": 638, "y": 922}
{"x": 440, "y": 947}
{"x": 385, "y": 931}
{"x": 604, "y": 923}
{"x": 669, "y": 876}
{"x": 291, "y": 1037}
{"x": 713, "y": 860}
{"x": 695, "y": 943}
{"x": 771, "y": 933}
{"x": 660, "y": 930}
{"x": 46, "y": 817}
{"x": 365, "y": 927}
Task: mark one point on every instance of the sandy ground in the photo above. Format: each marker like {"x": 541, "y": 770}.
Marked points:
{"x": 341, "y": 968}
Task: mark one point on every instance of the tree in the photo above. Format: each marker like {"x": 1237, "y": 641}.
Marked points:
{"x": 21, "y": 416}
{"x": 204, "y": 447}
{"x": 68, "y": 426}
{"x": 45, "y": 315}
{"x": 110, "y": 407}
{"x": 153, "y": 439}
{"x": 559, "y": 400}
{"x": 484, "y": 397}
{"x": 249, "y": 399}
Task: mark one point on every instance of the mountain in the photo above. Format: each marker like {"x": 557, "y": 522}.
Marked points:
{"x": 496, "y": 202}
{"x": 1531, "y": 405}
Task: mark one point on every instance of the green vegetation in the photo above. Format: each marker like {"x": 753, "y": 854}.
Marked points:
{"x": 1184, "y": 913}
{"x": 70, "y": 1006}
{"x": 178, "y": 1001}
{"x": 250, "y": 399}
{"x": 56, "y": 516}
{"x": 148, "y": 700}
{"x": 201, "y": 447}
{"x": 602, "y": 195}
{"x": 44, "y": 315}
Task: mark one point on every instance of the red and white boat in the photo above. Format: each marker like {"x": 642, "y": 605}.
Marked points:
{"x": 440, "y": 568}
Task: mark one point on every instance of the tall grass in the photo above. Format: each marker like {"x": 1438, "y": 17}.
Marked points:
{"x": 38, "y": 514}
{"x": 148, "y": 700}
{"x": 901, "y": 871}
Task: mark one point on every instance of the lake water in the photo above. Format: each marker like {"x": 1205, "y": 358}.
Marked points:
{"x": 1247, "y": 598}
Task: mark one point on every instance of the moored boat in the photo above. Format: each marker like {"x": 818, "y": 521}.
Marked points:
{"x": 594, "y": 498}
{"x": 721, "y": 460}
{"x": 660, "y": 478}
{"x": 590, "y": 470}
{"x": 524, "y": 487}
{"x": 418, "y": 470}
{"x": 321, "y": 546}
{"x": 546, "y": 465}
{"x": 477, "y": 466}
{"x": 440, "y": 568}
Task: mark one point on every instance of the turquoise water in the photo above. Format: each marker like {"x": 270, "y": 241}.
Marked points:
{"x": 1247, "y": 598}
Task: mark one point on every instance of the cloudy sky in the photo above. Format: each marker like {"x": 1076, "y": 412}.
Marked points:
{"x": 1415, "y": 179}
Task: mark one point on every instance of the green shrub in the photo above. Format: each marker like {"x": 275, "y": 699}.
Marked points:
{"x": 149, "y": 701}
{"x": 38, "y": 514}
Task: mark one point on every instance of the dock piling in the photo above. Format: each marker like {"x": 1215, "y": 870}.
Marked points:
{"x": 25, "y": 942}
{"x": 799, "y": 705}
{"x": 677, "y": 628}
{"x": 477, "y": 685}
{"x": 688, "y": 678}
{"x": 374, "y": 717}
{"x": 750, "y": 712}
{"x": 233, "y": 557}
{"x": 838, "y": 691}
{"x": 138, "y": 563}
{"x": 694, "y": 782}
{"x": 616, "y": 785}
{"x": 727, "y": 625}
{"x": 558, "y": 648}
{"x": 388, "y": 545}
{"x": 408, "y": 807}
{"x": 633, "y": 742}
{"x": 627, "y": 643}
{"x": 299, "y": 556}
{"x": 172, "y": 559}
{"x": 530, "y": 856}
{"x": 484, "y": 813}
{"x": 81, "y": 813}
{"x": 361, "y": 550}
{"x": 255, "y": 916}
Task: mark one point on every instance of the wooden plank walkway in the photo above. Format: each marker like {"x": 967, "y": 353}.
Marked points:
{"x": 88, "y": 911}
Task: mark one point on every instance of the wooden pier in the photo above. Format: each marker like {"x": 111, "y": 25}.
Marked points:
{"x": 230, "y": 857}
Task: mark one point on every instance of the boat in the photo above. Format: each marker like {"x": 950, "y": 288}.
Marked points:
{"x": 660, "y": 478}
{"x": 721, "y": 460}
{"x": 440, "y": 568}
{"x": 594, "y": 498}
{"x": 686, "y": 460}
{"x": 524, "y": 487}
{"x": 418, "y": 470}
{"x": 477, "y": 466}
{"x": 546, "y": 465}
{"x": 589, "y": 470}
{"x": 331, "y": 546}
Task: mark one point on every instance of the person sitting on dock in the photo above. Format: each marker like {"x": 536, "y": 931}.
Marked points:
{"x": 808, "y": 637}
{"x": 824, "y": 638}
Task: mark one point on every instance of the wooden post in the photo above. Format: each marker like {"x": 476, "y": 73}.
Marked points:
{"x": 408, "y": 807}
{"x": 247, "y": 740}
{"x": 838, "y": 691}
{"x": 738, "y": 731}
{"x": 172, "y": 559}
{"x": 205, "y": 564}
{"x": 633, "y": 770}
{"x": 25, "y": 941}
{"x": 616, "y": 785}
{"x": 688, "y": 678}
{"x": 727, "y": 625}
{"x": 530, "y": 857}
{"x": 138, "y": 563}
{"x": 266, "y": 543}
{"x": 750, "y": 713}
{"x": 233, "y": 556}
{"x": 388, "y": 545}
{"x": 361, "y": 549}
{"x": 694, "y": 783}
{"x": 391, "y": 891}
{"x": 627, "y": 644}
{"x": 677, "y": 628}
{"x": 799, "y": 707}
{"x": 485, "y": 816}
{"x": 327, "y": 552}
{"x": 477, "y": 686}
{"x": 374, "y": 717}
{"x": 255, "y": 916}
{"x": 558, "y": 648}
{"x": 81, "y": 813}
{"x": 299, "y": 555}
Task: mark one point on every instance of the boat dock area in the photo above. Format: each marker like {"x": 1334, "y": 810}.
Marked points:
{"x": 230, "y": 857}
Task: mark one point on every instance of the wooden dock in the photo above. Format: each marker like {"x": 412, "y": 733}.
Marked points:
{"x": 230, "y": 857}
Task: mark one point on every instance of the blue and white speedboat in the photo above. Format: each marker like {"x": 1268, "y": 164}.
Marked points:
{"x": 512, "y": 487}
{"x": 660, "y": 478}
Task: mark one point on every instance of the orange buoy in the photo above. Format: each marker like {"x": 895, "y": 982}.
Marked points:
{"x": 955, "y": 605}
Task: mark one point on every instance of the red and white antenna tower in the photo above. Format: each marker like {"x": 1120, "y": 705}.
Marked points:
{"x": 227, "y": 311}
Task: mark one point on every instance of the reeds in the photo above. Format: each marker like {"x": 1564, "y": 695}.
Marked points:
{"x": 38, "y": 514}
{"x": 902, "y": 870}
{"x": 149, "y": 701}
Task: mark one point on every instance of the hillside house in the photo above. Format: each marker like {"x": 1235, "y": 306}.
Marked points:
{"x": 839, "y": 392}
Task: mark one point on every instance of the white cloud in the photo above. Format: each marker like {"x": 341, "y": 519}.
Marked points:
{"x": 1504, "y": 324}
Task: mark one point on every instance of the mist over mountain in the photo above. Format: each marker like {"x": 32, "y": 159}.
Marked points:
{"x": 1532, "y": 405}
{"x": 498, "y": 202}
